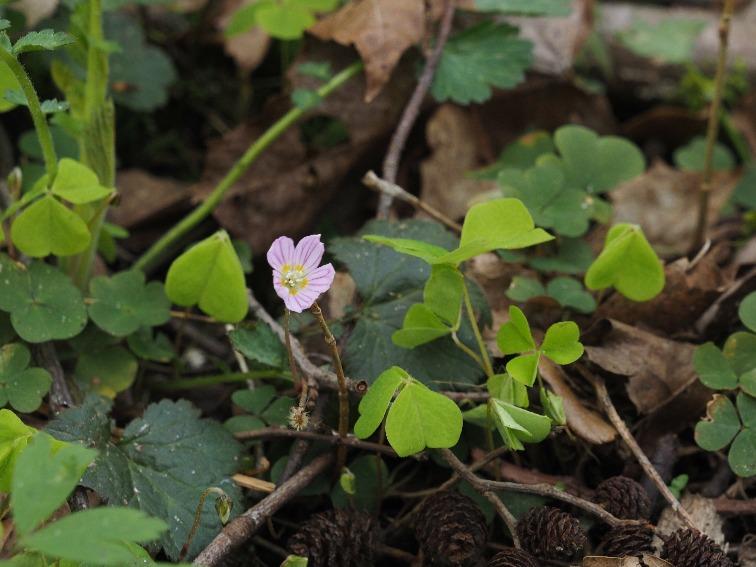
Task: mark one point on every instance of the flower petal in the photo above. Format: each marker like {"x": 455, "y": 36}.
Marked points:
{"x": 293, "y": 304}
{"x": 320, "y": 279}
{"x": 281, "y": 252}
{"x": 309, "y": 252}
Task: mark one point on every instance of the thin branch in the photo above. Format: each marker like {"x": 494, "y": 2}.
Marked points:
{"x": 712, "y": 130}
{"x": 244, "y": 527}
{"x": 412, "y": 110}
{"x": 60, "y": 394}
{"x": 627, "y": 437}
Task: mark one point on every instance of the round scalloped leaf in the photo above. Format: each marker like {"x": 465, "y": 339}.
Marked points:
{"x": 713, "y": 368}
{"x": 124, "y": 303}
{"x": 562, "y": 343}
{"x": 747, "y": 311}
{"x": 628, "y": 263}
{"x": 22, "y": 387}
{"x": 43, "y": 303}
{"x": 107, "y": 371}
{"x": 742, "y": 455}
{"x": 78, "y": 184}
{"x": 720, "y": 426}
{"x": 210, "y": 276}
{"x": 48, "y": 227}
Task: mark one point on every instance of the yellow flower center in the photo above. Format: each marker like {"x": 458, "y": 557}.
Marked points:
{"x": 293, "y": 277}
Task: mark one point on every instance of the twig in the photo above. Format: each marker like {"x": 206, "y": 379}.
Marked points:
{"x": 243, "y": 527}
{"x": 411, "y": 111}
{"x": 627, "y": 437}
{"x": 348, "y": 441}
{"x": 479, "y": 485}
{"x": 393, "y": 191}
{"x": 252, "y": 483}
{"x": 60, "y": 394}
{"x": 301, "y": 446}
{"x": 712, "y": 129}
{"x": 395, "y": 553}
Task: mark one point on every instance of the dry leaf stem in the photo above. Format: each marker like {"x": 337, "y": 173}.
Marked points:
{"x": 713, "y": 125}
{"x": 412, "y": 110}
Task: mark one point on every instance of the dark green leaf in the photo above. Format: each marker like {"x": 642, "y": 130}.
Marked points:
{"x": 670, "y": 41}
{"x": 44, "y": 40}
{"x": 521, "y": 289}
{"x": 574, "y": 256}
{"x": 521, "y": 154}
{"x": 107, "y": 371}
{"x": 721, "y": 424}
{"x": 371, "y": 480}
{"x": 525, "y": 7}
{"x": 691, "y": 157}
{"x": 571, "y": 293}
{"x": 20, "y": 386}
{"x": 747, "y": 311}
{"x": 713, "y": 368}
{"x": 259, "y": 344}
{"x": 151, "y": 346}
{"x": 740, "y": 350}
{"x": 742, "y": 455}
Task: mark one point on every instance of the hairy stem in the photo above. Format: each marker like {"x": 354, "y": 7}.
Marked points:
{"x": 713, "y": 125}
{"x": 198, "y": 518}
{"x": 152, "y": 256}
{"x": 202, "y": 381}
{"x": 298, "y": 382}
{"x": 487, "y": 367}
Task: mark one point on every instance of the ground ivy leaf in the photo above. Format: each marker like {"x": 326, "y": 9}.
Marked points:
{"x": 161, "y": 464}
{"x": 720, "y": 426}
{"x": 571, "y": 293}
{"x": 48, "y": 227}
{"x": 523, "y": 368}
{"x": 526, "y": 7}
{"x": 43, "y": 303}
{"x": 107, "y": 371}
{"x": 479, "y": 58}
{"x": 420, "y": 326}
{"x": 123, "y": 303}
{"x": 628, "y": 263}
{"x": 420, "y": 418}
{"x": 562, "y": 342}
{"x": 210, "y": 275}
{"x": 713, "y": 368}
{"x": 14, "y": 436}
{"x": 78, "y": 184}
{"x": 514, "y": 336}
{"x": 376, "y": 401}
{"x": 21, "y": 386}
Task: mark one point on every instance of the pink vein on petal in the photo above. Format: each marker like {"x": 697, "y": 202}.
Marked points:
{"x": 309, "y": 252}
{"x": 281, "y": 252}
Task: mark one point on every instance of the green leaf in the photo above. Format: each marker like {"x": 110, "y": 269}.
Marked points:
{"x": 713, "y": 368}
{"x": 692, "y": 157}
{"x": 562, "y": 343}
{"x": 44, "y": 40}
{"x": 420, "y": 326}
{"x": 744, "y": 193}
{"x": 536, "y": 427}
{"x": 669, "y": 41}
{"x": 742, "y": 455}
{"x": 210, "y": 275}
{"x": 520, "y": 154}
{"x": 14, "y": 436}
{"x": 747, "y": 311}
{"x": 295, "y": 561}
{"x": 155, "y": 347}
{"x": 628, "y": 263}
{"x": 47, "y": 227}
{"x": 371, "y": 480}
{"x": 570, "y": 293}
{"x": 97, "y": 536}
{"x": 420, "y": 418}
{"x": 375, "y": 403}
{"x": 8, "y": 82}
{"x": 596, "y": 164}
{"x": 443, "y": 293}
{"x": 521, "y": 289}
{"x": 506, "y": 389}
{"x": 77, "y": 183}
{"x": 106, "y": 371}
{"x": 740, "y": 350}
{"x": 574, "y": 256}
{"x": 525, "y": 7}
{"x": 282, "y": 19}
{"x": 747, "y": 409}
{"x": 123, "y": 303}
{"x": 43, "y": 303}
{"x": 305, "y": 99}
{"x": 479, "y": 58}
{"x": 243, "y": 20}
{"x": 553, "y": 406}
{"x": 254, "y": 401}
{"x": 423, "y": 250}
{"x": 721, "y": 424}
{"x": 21, "y": 386}
{"x": 747, "y": 382}
{"x": 17, "y": 97}
{"x": 46, "y": 473}
{"x": 524, "y": 368}
{"x": 160, "y": 465}
{"x": 318, "y": 69}
{"x": 259, "y": 344}
{"x": 514, "y": 336}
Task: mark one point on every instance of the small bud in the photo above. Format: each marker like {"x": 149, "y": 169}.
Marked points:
{"x": 295, "y": 561}
{"x": 298, "y": 418}
{"x": 348, "y": 481}
{"x": 15, "y": 181}
{"x": 223, "y": 506}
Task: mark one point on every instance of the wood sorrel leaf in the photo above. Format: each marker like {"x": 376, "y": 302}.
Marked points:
{"x": 78, "y": 184}
{"x": 713, "y": 368}
{"x": 375, "y": 404}
{"x": 747, "y": 409}
{"x": 721, "y": 424}
{"x": 123, "y": 303}
{"x": 628, "y": 263}
{"x": 747, "y": 311}
{"x": 48, "y": 227}
{"x": 514, "y": 336}
{"x": 571, "y": 293}
{"x": 505, "y": 388}
{"x": 107, "y": 371}
{"x": 740, "y": 350}
{"x": 443, "y": 293}
{"x": 421, "y": 325}
{"x": 742, "y": 455}
{"x": 524, "y": 368}
{"x": 562, "y": 343}
{"x": 210, "y": 276}
{"x": 521, "y": 289}
{"x": 14, "y": 436}
{"x": 536, "y": 427}
{"x": 423, "y": 250}
{"x": 21, "y": 386}
{"x": 553, "y": 406}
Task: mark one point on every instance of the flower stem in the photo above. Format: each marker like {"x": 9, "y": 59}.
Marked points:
{"x": 35, "y": 108}
{"x": 298, "y": 382}
{"x": 202, "y": 381}
{"x": 198, "y": 517}
{"x": 713, "y": 125}
{"x": 343, "y": 392}
{"x": 152, "y": 256}
{"x": 487, "y": 367}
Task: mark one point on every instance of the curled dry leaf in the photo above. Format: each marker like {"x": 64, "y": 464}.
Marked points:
{"x": 704, "y": 514}
{"x": 380, "y": 30}
{"x": 248, "y": 49}
{"x": 145, "y": 197}
{"x": 585, "y": 422}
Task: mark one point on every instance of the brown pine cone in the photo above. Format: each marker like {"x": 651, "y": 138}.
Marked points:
{"x": 512, "y": 557}
{"x": 337, "y": 538}
{"x": 691, "y": 548}
{"x": 624, "y": 541}
{"x": 451, "y": 530}
{"x": 624, "y": 498}
{"x": 549, "y": 533}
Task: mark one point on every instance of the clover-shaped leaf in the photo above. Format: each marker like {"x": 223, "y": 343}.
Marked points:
{"x": 573, "y": 256}
{"x": 570, "y": 293}
{"x": 107, "y": 371}
{"x": 443, "y": 292}
{"x": 420, "y": 326}
{"x": 522, "y": 288}
{"x": 742, "y": 455}
{"x": 210, "y": 275}
{"x": 20, "y": 386}
{"x": 43, "y": 303}
{"x": 628, "y": 263}
{"x": 49, "y": 227}
{"x": 553, "y": 406}
{"x": 515, "y": 424}
{"x": 713, "y": 368}
{"x": 259, "y": 344}
{"x": 123, "y": 303}
{"x": 562, "y": 343}
{"x": 670, "y": 41}
{"x": 14, "y": 436}
{"x": 263, "y": 408}
{"x": 747, "y": 311}
{"x": 505, "y": 388}
{"x": 692, "y": 156}
{"x": 520, "y": 154}
{"x": 721, "y": 424}
{"x": 740, "y": 350}
{"x": 78, "y": 184}
{"x": 514, "y": 336}
{"x": 151, "y": 346}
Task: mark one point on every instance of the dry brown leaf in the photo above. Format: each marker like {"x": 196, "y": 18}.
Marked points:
{"x": 648, "y": 561}
{"x": 145, "y": 197}
{"x": 381, "y": 30}
{"x": 340, "y": 295}
{"x": 248, "y": 49}
{"x": 747, "y": 553}
{"x": 704, "y": 515}
{"x": 35, "y": 10}
{"x": 586, "y": 423}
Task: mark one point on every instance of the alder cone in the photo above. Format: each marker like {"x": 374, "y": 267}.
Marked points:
{"x": 512, "y": 557}
{"x": 624, "y": 498}
{"x": 451, "y": 530}
{"x": 624, "y": 541}
{"x": 691, "y": 548}
{"x": 549, "y": 533}
{"x": 337, "y": 538}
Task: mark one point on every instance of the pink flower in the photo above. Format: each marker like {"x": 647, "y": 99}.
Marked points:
{"x": 296, "y": 276}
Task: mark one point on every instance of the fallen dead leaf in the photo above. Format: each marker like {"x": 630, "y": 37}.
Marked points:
{"x": 585, "y": 422}
{"x": 145, "y": 197}
{"x": 704, "y": 515}
{"x": 722, "y": 315}
{"x": 249, "y": 48}
{"x": 340, "y": 295}
{"x": 381, "y": 30}
{"x": 35, "y": 10}
{"x": 645, "y": 561}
